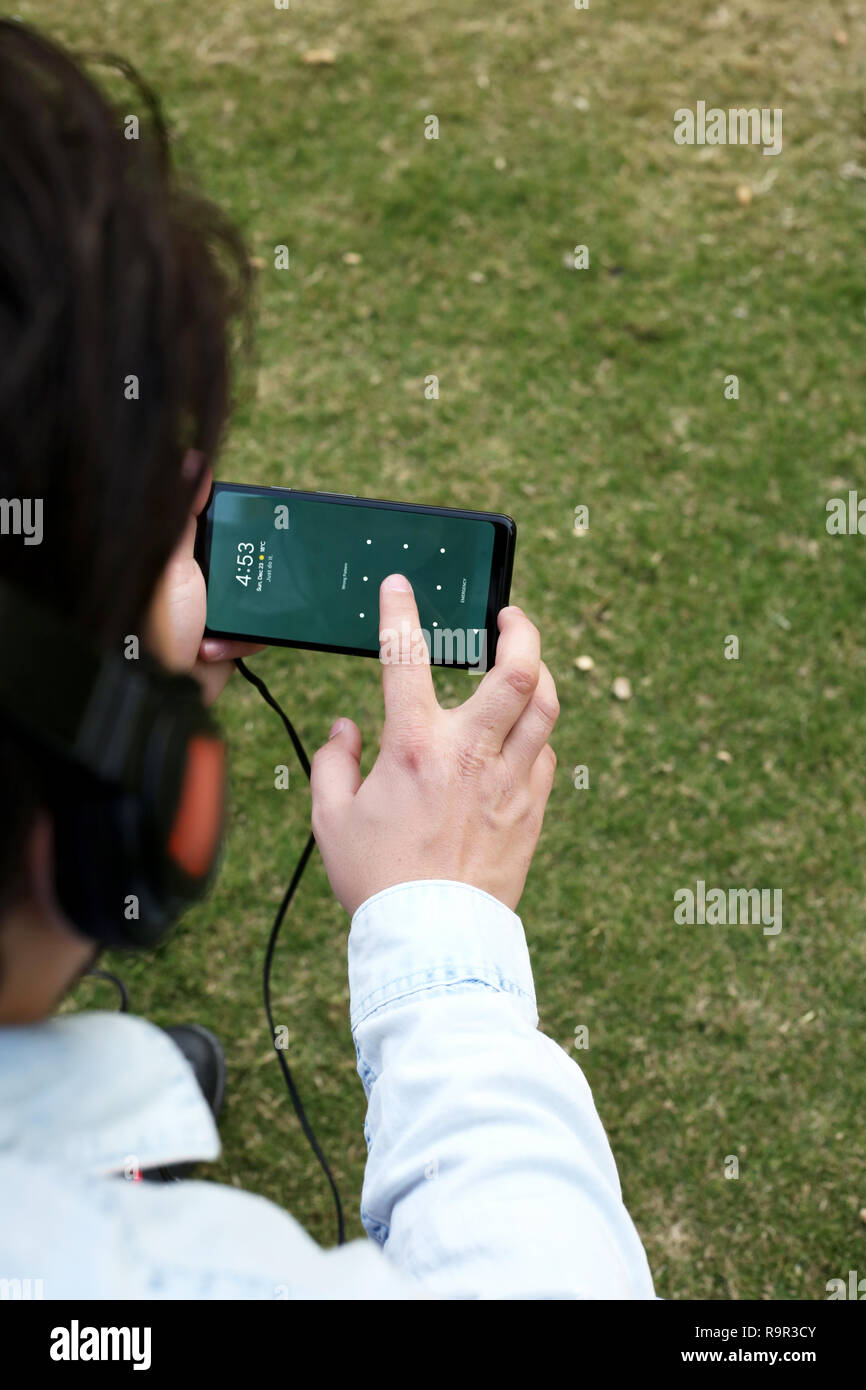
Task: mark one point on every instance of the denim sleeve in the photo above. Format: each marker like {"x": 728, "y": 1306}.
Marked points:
{"x": 489, "y": 1174}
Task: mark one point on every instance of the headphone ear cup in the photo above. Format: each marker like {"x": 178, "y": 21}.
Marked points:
{"x": 102, "y": 860}
{"x": 128, "y": 863}
{"x": 131, "y": 768}
{"x": 194, "y": 837}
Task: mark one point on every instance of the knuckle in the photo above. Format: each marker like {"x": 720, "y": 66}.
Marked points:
{"x": 411, "y": 750}
{"x": 469, "y": 760}
{"x": 522, "y": 678}
{"x": 525, "y": 810}
{"x": 505, "y": 787}
{"x": 548, "y": 709}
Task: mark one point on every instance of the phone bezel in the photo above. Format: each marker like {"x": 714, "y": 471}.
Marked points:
{"x": 502, "y": 564}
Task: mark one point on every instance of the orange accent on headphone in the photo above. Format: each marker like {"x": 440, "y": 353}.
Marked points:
{"x": 195, "y": 834}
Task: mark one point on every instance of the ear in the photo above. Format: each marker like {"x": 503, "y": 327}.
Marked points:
{"x": 43, "y": 955}
{"x": 39, "y": 865}
{"x": 40, "y": 879}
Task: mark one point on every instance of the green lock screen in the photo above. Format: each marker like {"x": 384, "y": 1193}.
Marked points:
{"x": 303, "y": 568}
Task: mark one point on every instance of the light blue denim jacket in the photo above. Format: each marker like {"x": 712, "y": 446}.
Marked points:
{"x": 488, "y": 1174}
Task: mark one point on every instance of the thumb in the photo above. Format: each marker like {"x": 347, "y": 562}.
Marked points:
{"x": 335, "y": 774}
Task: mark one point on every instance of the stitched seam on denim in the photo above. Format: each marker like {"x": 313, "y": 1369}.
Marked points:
{"x": 450, "y": 970}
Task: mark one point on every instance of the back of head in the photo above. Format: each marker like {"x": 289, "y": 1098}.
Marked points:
{"x": 117, "y": 287}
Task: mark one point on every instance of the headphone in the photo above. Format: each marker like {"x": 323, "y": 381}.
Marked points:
{"x": 138, "y": 807}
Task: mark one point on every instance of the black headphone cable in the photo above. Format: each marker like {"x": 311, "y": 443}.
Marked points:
{"x": 309, "y": 1132}
{"x": 113, "y": 979}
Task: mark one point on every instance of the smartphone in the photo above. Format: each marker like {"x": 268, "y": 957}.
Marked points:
{"x": 303, "y": 569}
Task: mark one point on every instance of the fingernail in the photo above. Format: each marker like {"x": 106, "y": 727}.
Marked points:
{"x": 336, "y": 727}
{"x": 213, "y": 650}
{"x": 398, "y": 582}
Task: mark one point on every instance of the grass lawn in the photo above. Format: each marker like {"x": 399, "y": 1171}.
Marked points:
{"x": 561, "y": 387}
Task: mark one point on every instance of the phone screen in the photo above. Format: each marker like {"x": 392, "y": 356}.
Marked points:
{"x": 302, "y": 568}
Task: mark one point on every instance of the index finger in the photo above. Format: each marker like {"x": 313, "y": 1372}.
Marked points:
{"x": 410, "y": 699}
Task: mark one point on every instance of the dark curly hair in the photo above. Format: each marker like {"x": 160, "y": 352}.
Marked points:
{"x": 108, "y": 270}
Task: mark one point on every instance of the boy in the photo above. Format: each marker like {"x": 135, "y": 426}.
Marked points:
{"x": 488, "y": 1171}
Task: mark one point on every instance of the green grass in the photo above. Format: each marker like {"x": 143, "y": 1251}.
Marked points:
{"x": 560, "y": 387}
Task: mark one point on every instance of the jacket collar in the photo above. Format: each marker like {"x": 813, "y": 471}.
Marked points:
{"x": 100, "y": 1093}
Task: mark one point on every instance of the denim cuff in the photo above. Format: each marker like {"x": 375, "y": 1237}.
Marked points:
{"x": 432, "y": 936}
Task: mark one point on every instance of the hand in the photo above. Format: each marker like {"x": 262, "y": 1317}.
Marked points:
{"x": 179, "y": 607}
{"x": 454, "y": 794}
